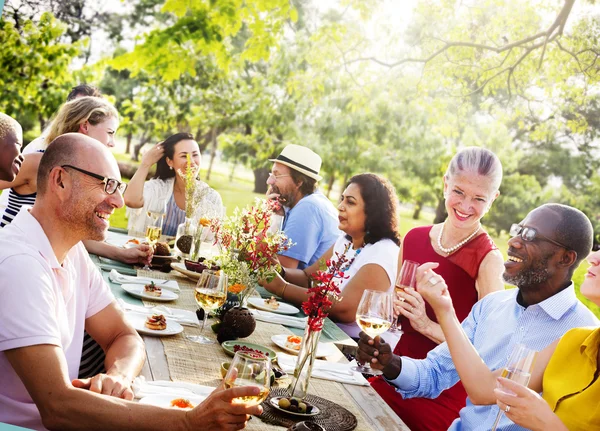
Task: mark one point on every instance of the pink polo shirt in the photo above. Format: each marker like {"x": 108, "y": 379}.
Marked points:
{"x": 41, "y": 302}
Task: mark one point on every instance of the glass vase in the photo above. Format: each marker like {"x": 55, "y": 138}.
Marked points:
{"x": 298, "y": 388}
{"x": 184, "y": 238}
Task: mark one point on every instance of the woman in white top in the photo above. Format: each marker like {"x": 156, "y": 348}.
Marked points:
{"x": 368, "y": 217}
{"x": 167, "y": 188}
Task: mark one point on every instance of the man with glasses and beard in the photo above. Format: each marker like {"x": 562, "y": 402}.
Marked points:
{"x": 544, "y": 251}
{"x": 51, "y": 291}
{"x": 311, "y": 220}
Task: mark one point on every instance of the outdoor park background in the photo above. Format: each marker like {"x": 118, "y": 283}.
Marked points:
{"x": 387, "y": 86}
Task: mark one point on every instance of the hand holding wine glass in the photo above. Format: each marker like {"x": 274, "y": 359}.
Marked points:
{"x": 249, "y": 369}
{"x": 210, "y": 294}
{"x": 518, "y": 369}
{"x": 374, "y": 315}
{"x": 406, "y": 278}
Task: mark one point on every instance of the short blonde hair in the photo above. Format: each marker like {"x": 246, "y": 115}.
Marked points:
{"x": 78, "y": 111}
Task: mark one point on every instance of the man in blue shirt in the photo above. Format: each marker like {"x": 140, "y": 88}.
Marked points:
{"x": 544, "y": 252}
{"x": 311, "y": 220}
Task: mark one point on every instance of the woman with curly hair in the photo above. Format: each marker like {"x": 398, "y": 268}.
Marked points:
{"x": 368, "y": 216}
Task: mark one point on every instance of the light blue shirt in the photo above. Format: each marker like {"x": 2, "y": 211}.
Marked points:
{"x": 494, "y": 326}
{"x": 313, "y": 226}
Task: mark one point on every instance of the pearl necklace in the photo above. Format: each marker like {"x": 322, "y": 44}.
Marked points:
{"x": 457, "y": 246}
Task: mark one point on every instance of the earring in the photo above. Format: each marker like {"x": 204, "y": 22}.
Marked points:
{"x": 171, "y": 167}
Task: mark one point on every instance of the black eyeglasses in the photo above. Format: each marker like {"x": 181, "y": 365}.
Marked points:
{"x": 530, "y": 234}
{"x": 110, "y": 184}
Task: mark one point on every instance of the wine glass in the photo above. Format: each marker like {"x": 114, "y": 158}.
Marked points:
{"x": 407, "y": 277}
{"x": 249, "y": 369}
{"x": 374, "y": 315}
{"x": 154, "y": 225}
{"x": 518, "y": 369}
{"x": 210, "y": 294}
{"x": 276, "y": 224}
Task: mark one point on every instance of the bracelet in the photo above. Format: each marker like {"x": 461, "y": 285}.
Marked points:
{"x": 283, "y": 290}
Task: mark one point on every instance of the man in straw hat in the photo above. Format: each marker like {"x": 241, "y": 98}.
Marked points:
{"x": 311, "y": 221}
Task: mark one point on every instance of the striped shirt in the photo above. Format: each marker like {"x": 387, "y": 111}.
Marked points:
{"x": 15, "y": 203}
{"x": 92, "y": 358}
{"x": 174, "y": 217}
{"x": 494, "y": 326}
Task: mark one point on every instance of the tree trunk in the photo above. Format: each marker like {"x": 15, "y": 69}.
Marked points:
{"x": 213, "y": 152}
{"x": 440, "y": 211}
{"x": 138, "y": 147}
{"x": 417, "y": 212}
{"x": 42, "y": 122}
{"x": 128, "y": 146}
{"x": 260, "y": 179}
{"x": 233, "y": 166}
{"x": 330, "y": 182}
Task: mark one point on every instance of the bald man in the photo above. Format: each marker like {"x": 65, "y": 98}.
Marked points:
{"x": 11, "y": 140}
{"x": 51, "y": 290}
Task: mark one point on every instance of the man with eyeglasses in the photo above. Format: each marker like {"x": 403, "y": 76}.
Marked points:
{"x": 311, "y": 220}
{"x": 544, "y": 251}
{"x": 51, "y": 290}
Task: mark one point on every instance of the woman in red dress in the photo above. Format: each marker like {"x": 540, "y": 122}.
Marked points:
{"x": 470, "y": 263}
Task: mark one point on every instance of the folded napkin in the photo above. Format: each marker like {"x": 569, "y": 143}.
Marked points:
{"x": 118, "y": 278}
{"x": 143, "y": 388}
{"x": 280, "y": 319}
{"x": 325, "y": 370}
{"x": 183, "y": 317}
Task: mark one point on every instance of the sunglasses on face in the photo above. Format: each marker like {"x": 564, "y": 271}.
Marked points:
{"x": 110, "y": 184}
{"x": 529, "y": 234}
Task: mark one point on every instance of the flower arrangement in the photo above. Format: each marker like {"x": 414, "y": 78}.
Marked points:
{"x": 324, "y": 292}
{"x": 247, "y": 248}
{"x": 191, "y": 197}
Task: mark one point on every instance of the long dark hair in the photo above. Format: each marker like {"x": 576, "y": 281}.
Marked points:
{"x": 381, "y": 208}
{"x": 163, "y": 171}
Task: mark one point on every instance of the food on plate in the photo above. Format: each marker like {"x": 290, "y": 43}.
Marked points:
{"x": 293, "y": 342}
{"x": 182, "y": 403}
{"x": 157, "y": 322}
{"x": 247, "y": 349}
{"x": 152, "y": 289}
{"x": 133, "y": 241}
{"x": 162, "y": 249}
{"x": 295, "y": 405}
{"x": 201, "y": 265}
{"x": 272, "y": 303}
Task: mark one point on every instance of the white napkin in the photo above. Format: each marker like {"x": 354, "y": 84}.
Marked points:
{"x": 280, "y": 319}
{"x": 325, "y": 370}
{"x": 119, "y": 278}
{"x": 142, "y": 388}
{"x": 184, "y": 317}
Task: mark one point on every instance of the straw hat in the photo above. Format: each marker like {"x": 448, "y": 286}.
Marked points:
{"x": 301, "y": 159}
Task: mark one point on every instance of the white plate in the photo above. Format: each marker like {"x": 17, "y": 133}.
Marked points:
{"x": 283, "y": 307}
{"x": 275, "y": 403}
{"x": 123, "y": 242}
{"x": 137, "y": 290}
{"x": 137, "y": 320}
{"x": 323, "y": 349}
{"x": 162, "y": 400}
{"x": 180, "y": 267}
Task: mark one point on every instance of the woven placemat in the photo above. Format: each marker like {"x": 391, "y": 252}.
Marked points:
{"x": 333, "y": 417}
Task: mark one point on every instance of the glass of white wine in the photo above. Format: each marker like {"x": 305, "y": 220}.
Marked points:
{"x": 249, "y": 369}
{"x": 210, "y": 294}
{"x": 154, "y": 225}
{"x": 407, "y": 277}
{"x": 518, "y": 369}
{"x": 374, "y": 315}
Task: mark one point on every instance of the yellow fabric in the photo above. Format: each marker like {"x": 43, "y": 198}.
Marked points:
{"x": 567, "y": 383}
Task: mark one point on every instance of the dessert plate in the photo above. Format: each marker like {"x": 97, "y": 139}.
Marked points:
{"x": 229, "y": 347}
{"x": 323, "y": 349}
{"x": 164, "y": 400}
{"x": 283, "y": 307}
{"x": 137, "y": 320}
{"x": 180, "y": 267}
{"x": 137, "y": 290}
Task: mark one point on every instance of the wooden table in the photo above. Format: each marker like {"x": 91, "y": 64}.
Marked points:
{"x": 375, "y": 413}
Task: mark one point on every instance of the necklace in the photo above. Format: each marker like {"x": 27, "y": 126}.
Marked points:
{"x": 457, "y": 246}
{"x": 351, "y": 261}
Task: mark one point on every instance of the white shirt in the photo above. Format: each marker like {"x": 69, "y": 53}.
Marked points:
{"x": 42, "y": 302}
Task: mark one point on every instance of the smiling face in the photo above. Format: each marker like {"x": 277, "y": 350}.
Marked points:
{"x": 89, "y": 208}
{"x": 103, "y": 132}
{"x": 590, "y": 288}
{"x": 281, "y": 182}
{"x": 351, "y": 212}
{"x": 10, "y": 154}
{"x": 180, "y": 152}
{"x": 531, "y": 263}
{"x": 468, "y": 197}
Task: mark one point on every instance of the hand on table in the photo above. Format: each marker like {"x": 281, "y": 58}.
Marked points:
{"x": 218, "y": 412}
{"x": 113, "y": 385}
{"x": 527, "y": 408}
{"x": 275, "y": 286}
{"x": 140, "y": 254}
